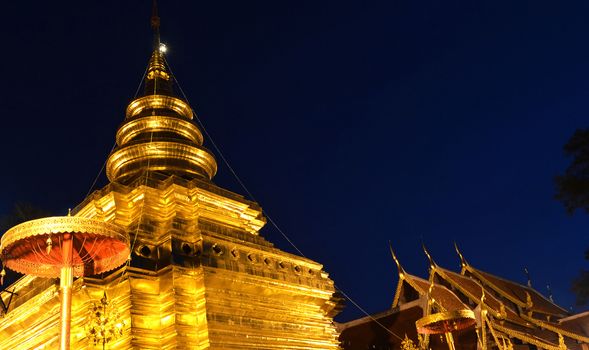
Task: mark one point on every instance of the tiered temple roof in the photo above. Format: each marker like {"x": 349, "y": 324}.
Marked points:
{"x": 509, "y": 315}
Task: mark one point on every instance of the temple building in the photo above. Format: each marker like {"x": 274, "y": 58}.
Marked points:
{"x": 508, "y": 315}
{"x": 199, "y": 275}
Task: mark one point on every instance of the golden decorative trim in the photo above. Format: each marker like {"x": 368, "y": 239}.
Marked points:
{"x": 158, "y": 102}
{"x": 556, "y": 329}
{"x": 443, "y": 322}
{"x": 193, "y": 159}
{"x": 494, "y": 287}
{"x": 60, "y": 224}
{"x": 500, "y": 314}
{"x": 525, "y": 337}
{"x": 149, "y": 124}
{"x": 22, "y": 248}
{"x": 157, "y": 67}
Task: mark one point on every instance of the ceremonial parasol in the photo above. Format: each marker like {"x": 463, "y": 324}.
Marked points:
{"x": 446, "y": 323}
{"x": 64, "y": 247}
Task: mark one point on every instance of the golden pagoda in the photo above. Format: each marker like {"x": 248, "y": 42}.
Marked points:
{"x": 199, "y": 275}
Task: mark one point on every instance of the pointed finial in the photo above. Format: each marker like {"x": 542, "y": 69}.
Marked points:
{"x": 399, "y": 267}
{"x": 528, "y": 277}
{"x": 432, "y": 264}
{"x": 69, "y": 211}
{"x": 462, "y": 260}
{"x": 550, "y": 293}
{"x": 155, "y": 25}
{"x": 529, "y": 302}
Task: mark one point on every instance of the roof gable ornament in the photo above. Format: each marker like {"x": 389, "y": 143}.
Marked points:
{"x": 399, "y": 267}
{"x": 432, "y": 263}
{"x": 550, "y": 296}
{"x": 502, "y": 311}
{"x": 529, "y": 280}
{"x": 463, "y": 262}
{"x": 529, "y": 302}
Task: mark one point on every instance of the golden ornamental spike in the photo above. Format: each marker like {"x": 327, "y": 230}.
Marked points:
{"x": 2, "y": 274}
{"x": 396, "y": 260}
{"x": 432, "y": 264}
{"x": 462, "y": 260}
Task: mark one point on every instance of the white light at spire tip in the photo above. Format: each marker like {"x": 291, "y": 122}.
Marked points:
{"x": 163, "y": 48}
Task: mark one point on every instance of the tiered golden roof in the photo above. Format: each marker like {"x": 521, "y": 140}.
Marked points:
{"x": 158, "y": 133}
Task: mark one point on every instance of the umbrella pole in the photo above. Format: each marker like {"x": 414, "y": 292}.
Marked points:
{"x": 65, "y": 288}
{"x": 450, "y": 341}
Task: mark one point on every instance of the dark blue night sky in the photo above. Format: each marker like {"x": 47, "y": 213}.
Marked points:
{"x": 352, "y": 124}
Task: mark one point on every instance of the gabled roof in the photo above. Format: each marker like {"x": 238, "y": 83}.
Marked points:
{"x": 517, "y": 326}
{"x": 542, "y": 339}
{"x": 525, "y": 297}
{"x": 569, "y": 330}
{"x": 474, "y": 291}
{"x": 442, "y": 297}
{"x": 522, "y": 296}
{"x": 577, "y": 323}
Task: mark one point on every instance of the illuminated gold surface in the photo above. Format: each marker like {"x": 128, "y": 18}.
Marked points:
{"x": 209, "y": 300}
{"x": 200, "y": 275}
{"x": 158, "y": 135}
{"x": 157, "y": 67}
{"x": 150, "y": 124}
{"x": 172, "y": 156}
{"x": 159, "y": 102}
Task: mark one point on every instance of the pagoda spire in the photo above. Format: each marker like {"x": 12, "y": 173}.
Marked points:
{"x": 155, "y": 25}
{"x": 159, "y": 80}
{"x": 158, "y": 133}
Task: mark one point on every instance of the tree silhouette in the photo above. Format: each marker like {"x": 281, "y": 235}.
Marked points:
{"x": 572, "y": 190}
{"x": 20, "y": 212}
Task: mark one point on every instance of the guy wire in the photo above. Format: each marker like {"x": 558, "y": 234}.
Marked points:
{"x": 264, "y": 211}
{"x": 115, "y": 143}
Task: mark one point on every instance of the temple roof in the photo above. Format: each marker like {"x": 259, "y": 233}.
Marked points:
{"x": 523, "y": 296}
{"x": 441, "y": 296}
{"x": 512, "y": 309}
{"x": 474, "y": 291}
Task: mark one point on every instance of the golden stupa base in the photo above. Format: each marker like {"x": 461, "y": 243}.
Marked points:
{"x": 201, "y": 278}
